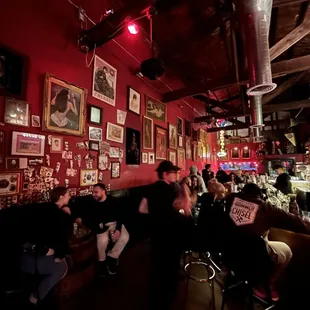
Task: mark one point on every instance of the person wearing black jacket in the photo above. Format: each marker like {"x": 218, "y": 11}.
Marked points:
{"x": 46, "y": 231}
{"x": 283, "y": 182}
{"x": 104, "y": 218}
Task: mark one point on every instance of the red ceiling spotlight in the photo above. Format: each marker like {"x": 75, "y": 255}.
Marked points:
{"x": 133, "y": 28}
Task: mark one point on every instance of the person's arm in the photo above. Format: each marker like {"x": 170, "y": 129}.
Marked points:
{"x": 203, "y": 186}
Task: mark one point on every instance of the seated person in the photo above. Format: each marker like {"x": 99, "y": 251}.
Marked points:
{"x": 46, "y": 232}
{"x": 103, "y": 217}
{"x": 249, "y": 216}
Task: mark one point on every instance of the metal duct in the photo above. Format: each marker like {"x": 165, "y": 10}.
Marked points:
{"x": 255, "y": 18}
{"x": 257, "y": 118}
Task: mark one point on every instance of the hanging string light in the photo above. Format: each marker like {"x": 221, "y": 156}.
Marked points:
{"x": 222, "y": 152}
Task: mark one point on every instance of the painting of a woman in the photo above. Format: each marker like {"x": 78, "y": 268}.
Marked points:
{"x": 132, "y": 147}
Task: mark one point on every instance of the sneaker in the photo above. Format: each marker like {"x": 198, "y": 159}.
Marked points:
{"x": 112, "y": 265}
{"x": 102, "y": 269}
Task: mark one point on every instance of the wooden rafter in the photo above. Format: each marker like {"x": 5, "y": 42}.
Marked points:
{"x": 280, "y": 3}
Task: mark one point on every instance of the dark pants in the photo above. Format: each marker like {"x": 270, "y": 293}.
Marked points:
{"x": 165, "y": 275}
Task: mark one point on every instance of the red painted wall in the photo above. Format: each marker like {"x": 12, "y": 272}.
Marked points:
{"x": 47, "y": 32}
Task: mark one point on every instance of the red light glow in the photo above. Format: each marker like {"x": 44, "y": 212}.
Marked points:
{"x": 133, "y": 28}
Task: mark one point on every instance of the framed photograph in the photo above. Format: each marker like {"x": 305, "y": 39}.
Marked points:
{"x": 104, "y": 81}
{"x": 144, "y": 158}
{"x": 180, "y": 126}
{"x": 180, "y": 141}
{"x": 173, "y": 138}
{"x": 94, "y": 146}
{"x": 1, "y": 147}
{"x": 35, "y": 121}
{"x": 132, "y": 147}
{"x": 155, "y": 109}
{"x": 10, "y": 183}
{"x": 161, "y": 143}
{"x": 57, "y": 145}
{"x": 64, "y": 107}
{"x": 148, "y": 133}
{"x": 88, "y": 177}
{"x": 195, "y": 152}
{"x": 16, "y": 163}
{"x": 121, "y": 117}
{"x": 188, "y": 128}
{"x": 115, "y": 170}
{"x": 16, "y": 112}
{"x": 195, "y": 135}
{"x": 181, "y": 159}
{"x": 151, "y": 158}
{"x": 173, "y": 157}
{"x": 188, "y": 148}
{"x": 246, "y": 153}
{"x": 95, "y": 115}
{"x": 235, "y": 153}
{"x": 94, "y": 133}
{"x": 134, "y": 101}
{"x": 115, "y": 133}
{"x": 103, "y": 162}
{"x": 114, "y": 152}
{"x": 27, "y": 144}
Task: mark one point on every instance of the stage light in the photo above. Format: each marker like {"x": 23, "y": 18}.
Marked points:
{"x": 132, "y": 28}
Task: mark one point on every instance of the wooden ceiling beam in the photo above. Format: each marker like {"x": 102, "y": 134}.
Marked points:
{"x": 286, "y": 67}
{"x": 280, "y": 3}
{"x": 290, "y": 39}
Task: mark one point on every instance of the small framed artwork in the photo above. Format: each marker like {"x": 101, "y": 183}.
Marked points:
{"x": 155, "y": 109}
{"x": 121, "y": 117}
{"x": 88, "y": 177}
{"x": 173, "y": 138}
{"x": 148, "y": 133}
{"x": 27, "y": 144}
{"x": 173, "y": 157}
{"x": 195, "y": 135}
{"x": 25, "y": 186}
{"x": 180, "y": 126}
{"x": 115, "y": 133}
{"x": 181, "y": 159}
{"x": 151, "y": 158}
{"x": 246, "y": 153}
{"x": 195, "y": 152}
{"x": 114, "y": 152}
{"x": 16, "y": 112}
{"x": 161, "y": 143}
{"x": 115, "y": 170}
{"x": 56, "y": 145}
{"x": 95, "y": 115}
{"x": 132, "y": 147}
{"x": 188, "y": 128}
{"x": 95, "y": 133}
{"x": 10, "y": 182}
{"x": 180, "y": 141}
{"x": 1, "y": 147}
{"x": 35, "y": 121}
{"x": 144, "y": 158}
{"x": 16, "y": 163}
{"x": 235, "y": 153}
{"x": 103, "y": 162}
{"x": 188, "y": 148}
{"x": 134, "y": 101}
{"x": 93, "y": 146}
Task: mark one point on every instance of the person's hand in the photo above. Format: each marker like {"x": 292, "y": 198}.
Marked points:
{"x": 50, "y": 252}
{"x": 116, "y": 235}
{"x": 59, "y": 260}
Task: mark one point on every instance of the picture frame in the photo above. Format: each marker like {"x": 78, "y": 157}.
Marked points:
{"x": 2, "y": 147}
{"x": 114, "y": 152}
{"x": 103, "y": 162}
{"x": 173, "y": 157}
{"x": 144, "y": 158}
{"x": 195, "y": 135}
{"x": 121, "y": 117}
{"x": 195, "y": 152}
{"x": 155, "y": 109}
{"x": 11, "y": 182}
{"x": 246, "y": 153}
{"x": 173, "y": 138}
{"x": 58, "y": 92}
{"x": 188, "y": 128}
{"x": 94, "y": 133}
{"x": 161, "y": 143}
{"x": 133, "y": 148}
{"x": 151, "y": 158}
{"x": 148, "y": 133}
{"x": 16, "y": 112}
{"x": 188, "y": 148}
{"x": 13, "y": 163}
{"x": 115, "y": 133}
{"x": 35, "y": 121}
{"x": 133, "y": 101}
{"x": 181, "y": 159}
{"x": 234, "y": 153}
{"x": 180, "y": 126}
{"x": 180, "y": 141}
{"x": 104, "y": 81}
{"x": 88, "y": 177}
{"x": 95, "y": 115}
{"x": 94, "y": 146}
{"x": 27, "y": 144}
{"x": 56, "y": 144}
{"x": 115, "y": 170}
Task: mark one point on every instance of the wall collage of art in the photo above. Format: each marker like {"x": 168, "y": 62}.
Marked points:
{"x": 30, "y": 171}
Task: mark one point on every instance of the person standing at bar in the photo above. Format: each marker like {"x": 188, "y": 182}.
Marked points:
{"x": 283, "y": 182}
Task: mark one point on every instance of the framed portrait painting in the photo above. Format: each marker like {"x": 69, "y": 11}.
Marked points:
{"x": 148, "y": 133}
{"x": 104, "y": 81}
{"x": 115, "y": 133}
{"x": 132, "y": 147}
{"x": 188, "y": 128}
{"x": 161, "y": 143}
{"x": 188, "y": 148}
{"x": 173, "y": 138}
{"x": 27, "y": 144}
{"x": 56, "y": 144}
{"x": 246, "y": 153}
{"x": 151, "y": 158}
{"x": 173, "y": 157}
{"x": 10, "y": 182}
{"x": 235, "y": 153}
{"x": 95, "y": 115}
{"x": 180, "y": 126}
{"x": 181, "y": 159}
{"x": 134, "y": 101}
{"x": 64, "y": 107}
{"x": 155, "y": 109}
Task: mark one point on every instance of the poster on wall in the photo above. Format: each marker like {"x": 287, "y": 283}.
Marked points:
{"x": 155, "y": 109}
{"x": 188, "y": 148}
{"x": 148, "y": 133}
{"x": 181, "y": 159}
{"x": 104, "y": 81}
{"x": 161, "y": 143}
{"x": 132, "y": 147}
{"x": 173, "y": 141}
{"x": 64, "y": 107}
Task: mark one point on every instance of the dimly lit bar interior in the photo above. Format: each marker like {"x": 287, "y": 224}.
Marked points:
{"x": 155, "y": 154}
